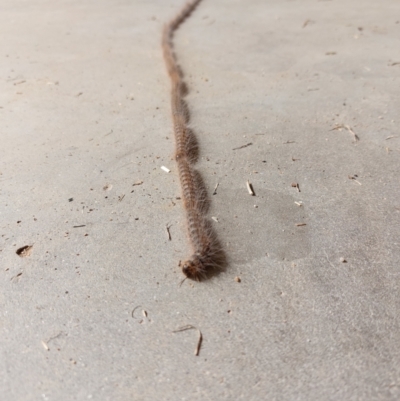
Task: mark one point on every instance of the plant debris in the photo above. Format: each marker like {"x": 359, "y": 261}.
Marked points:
{"x": 168, "y": 232}
{"x": 296, "y": 185}
{"x": 341, "y": 126}
{"x": 243, "y": 146}
{"x": 144, "y": 313}
{"x": 200, "y": 340}
{"x": 215, "y": 189}
{"x": 354, "y": 178}
{"x": 24, "y": 251}
{"x": 250, "y": 188}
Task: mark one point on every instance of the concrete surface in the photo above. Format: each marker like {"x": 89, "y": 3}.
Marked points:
{"x": 85, "y": 115}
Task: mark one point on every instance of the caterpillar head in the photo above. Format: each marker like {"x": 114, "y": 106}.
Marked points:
{"x": 194, "y": 268}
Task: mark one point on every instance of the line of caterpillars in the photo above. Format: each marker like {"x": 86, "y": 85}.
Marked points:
{"x": 206, "y": 252}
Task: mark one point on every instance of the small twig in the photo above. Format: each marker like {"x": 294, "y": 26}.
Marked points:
{"x": 341, "y": 126}
{"x": 137, "y": 183}
{"x": 133, "y": 311}
{"x": 190, "y": 327}
{"x": 296, "y": 185}
{"x": 353, "y": 177}
{"x": 83, "y": 225}
{"x": 215, "y": 219}
{"x": 356, "y": 138}
{"x": 391, "y": 136}
{"x": 215, "y": 189}
{"x": 287, "y": 142}
{"x": 45, "y": 346}
{"x": 243, "y": 146}
{"x": 166, "y": 169}
{"x": 144, "y": 313}
{"x": 45, "y": 343}
{"x": 301, "y": 224}
{"x": 250, "y": 188}
{"x": 121, "y": 197}
{"x": 16, "y": 277}
{"x": 168, "y": 232}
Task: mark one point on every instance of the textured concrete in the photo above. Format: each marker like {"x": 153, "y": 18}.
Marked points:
{"x": 85, "y": 115}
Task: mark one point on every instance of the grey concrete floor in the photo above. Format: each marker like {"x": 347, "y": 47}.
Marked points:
{"x": 85, "y": 129}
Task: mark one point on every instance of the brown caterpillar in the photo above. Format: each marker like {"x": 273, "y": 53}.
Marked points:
{"x": 207, "y": 254}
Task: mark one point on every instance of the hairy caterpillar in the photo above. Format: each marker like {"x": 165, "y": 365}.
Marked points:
{"x": 207, "y": 254}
